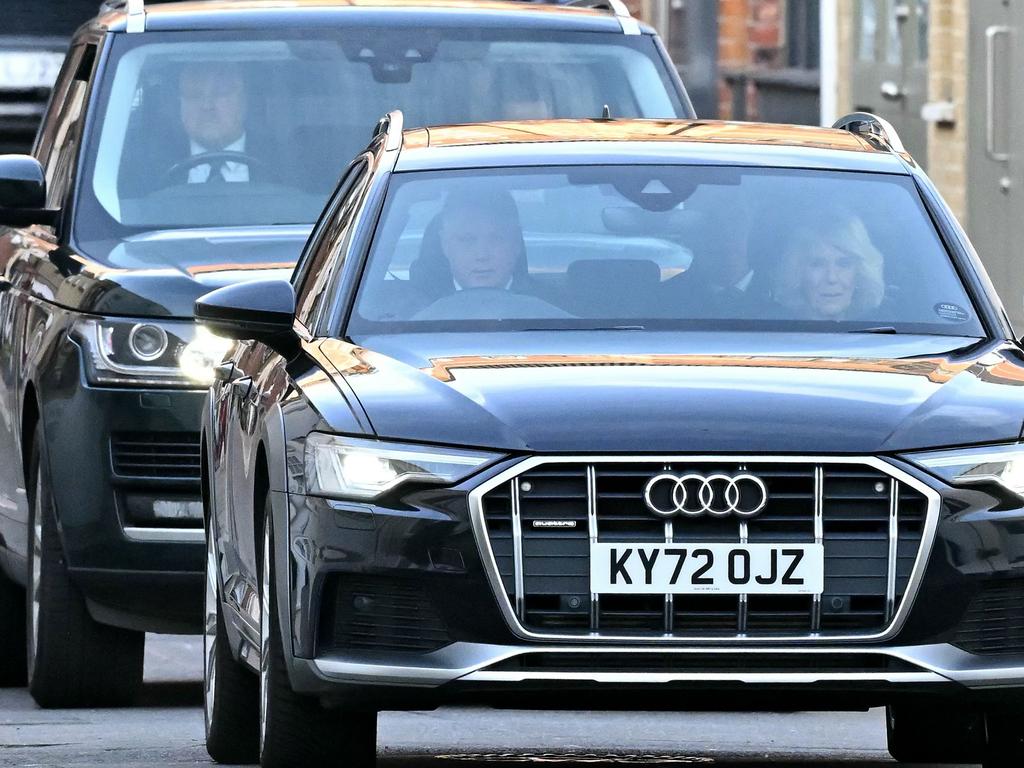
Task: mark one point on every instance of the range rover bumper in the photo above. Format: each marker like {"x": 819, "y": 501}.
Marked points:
{"x": 120, "y": 460}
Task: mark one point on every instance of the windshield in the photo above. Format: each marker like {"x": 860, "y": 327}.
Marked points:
{"x": 252, "y": 128}
{"x": 658, "y": 247}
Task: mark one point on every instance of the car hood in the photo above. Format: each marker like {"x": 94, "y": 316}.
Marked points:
{"x": 622, "y": 391}
{"x": 161, "y": 274}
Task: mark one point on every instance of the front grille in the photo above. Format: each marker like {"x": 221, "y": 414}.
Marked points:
{"x": 994, "y": 621}
{"x": 383, "y": 614}
{"x": 870, "y": 524}
{"x": 161, "y": 455}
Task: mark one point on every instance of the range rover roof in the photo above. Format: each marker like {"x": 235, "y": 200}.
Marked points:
{"x": 251, "y": 14}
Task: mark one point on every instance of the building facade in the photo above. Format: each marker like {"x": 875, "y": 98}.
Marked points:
{"x": 744, "y": 59}
{"x": 949, "y": 75}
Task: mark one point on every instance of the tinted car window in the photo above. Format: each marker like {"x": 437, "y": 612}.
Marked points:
{"x": 658, "y": 246}
{"x": 329, "y": 248}
{"x": 300, "y": 104}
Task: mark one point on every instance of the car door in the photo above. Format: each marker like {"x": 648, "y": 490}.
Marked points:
{"x": 26, "y": 308}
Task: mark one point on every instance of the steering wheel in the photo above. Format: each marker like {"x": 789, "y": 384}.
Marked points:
{"x": 214, "y": 159}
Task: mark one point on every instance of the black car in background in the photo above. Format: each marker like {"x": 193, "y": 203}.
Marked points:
{"x": 186, "y": 147}
{"x": 612, "y": 413}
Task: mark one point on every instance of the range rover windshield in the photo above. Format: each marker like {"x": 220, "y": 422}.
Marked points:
{"x": 216, "y": 128}
{"x": 658, "y": 247}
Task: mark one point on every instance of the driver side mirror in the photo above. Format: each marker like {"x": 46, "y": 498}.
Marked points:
{"x": 23, "y": 192}
{"x": 257, "y": 310}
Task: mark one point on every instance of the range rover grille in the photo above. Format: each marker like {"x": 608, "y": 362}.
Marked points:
{"x": 871, "y": 526}
{"x": 164, "y": 455}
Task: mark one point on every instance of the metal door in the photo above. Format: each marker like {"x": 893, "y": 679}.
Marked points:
{"x": 995, "y": 193}
{"x": 890, "y": 66}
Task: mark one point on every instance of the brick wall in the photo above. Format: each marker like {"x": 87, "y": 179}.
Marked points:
{"x": 947, "y": 81}
{"x": 750, "y": 35}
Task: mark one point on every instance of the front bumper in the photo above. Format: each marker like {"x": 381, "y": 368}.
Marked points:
{"x": 428, "y": 539}
{"x": 482, "y": 663}
{"x": 112, "y": 454}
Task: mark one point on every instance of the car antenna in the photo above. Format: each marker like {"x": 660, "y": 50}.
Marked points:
{"x": 606, "y": 113}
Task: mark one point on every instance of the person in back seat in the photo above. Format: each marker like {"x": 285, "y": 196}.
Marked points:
{"x": 723, "y": 280}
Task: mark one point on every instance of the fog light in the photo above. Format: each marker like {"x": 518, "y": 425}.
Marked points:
{"x": 147, "y": 342}
{"x": 164, "y": 509}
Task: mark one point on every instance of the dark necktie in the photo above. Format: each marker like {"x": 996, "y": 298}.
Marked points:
{"x": 217, "y": 172}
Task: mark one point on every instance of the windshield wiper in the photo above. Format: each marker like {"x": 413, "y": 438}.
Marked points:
{"x": 592, "y": 328}
{"x": 876, "y": 329}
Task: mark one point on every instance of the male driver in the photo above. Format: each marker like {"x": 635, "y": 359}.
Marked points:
{"x": 481, "y": 240}
{"x": 481, "y": 247}
{"x": 214, "y": 107}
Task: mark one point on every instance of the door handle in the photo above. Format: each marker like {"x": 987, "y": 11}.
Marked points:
{"x": 990, "y": 92}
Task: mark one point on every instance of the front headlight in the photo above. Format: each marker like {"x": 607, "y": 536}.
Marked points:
{"x": 352, "y": 468}
{"x": 147, "y": 353}
{"x": 1000, "y": 465}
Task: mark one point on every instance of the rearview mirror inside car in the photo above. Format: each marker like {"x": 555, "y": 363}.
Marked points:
{"x": 257, "y": 310}
{"x": 23, "y": 192}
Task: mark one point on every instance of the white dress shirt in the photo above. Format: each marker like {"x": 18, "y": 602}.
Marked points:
{"x": 458, "y": 285}
{"x": 231, "y": 171}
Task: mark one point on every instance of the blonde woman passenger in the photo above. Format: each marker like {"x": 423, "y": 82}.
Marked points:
{"x": 830, "y": 270}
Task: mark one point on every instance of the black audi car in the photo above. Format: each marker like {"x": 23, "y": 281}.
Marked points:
{"x": 188, "y": 146}
{"x": 611, "y": 413}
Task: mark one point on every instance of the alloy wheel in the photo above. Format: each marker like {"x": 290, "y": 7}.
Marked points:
{"x": 37, "y": 576}
{"x": 210, "y": 630}
{"x": 265, "y": 588}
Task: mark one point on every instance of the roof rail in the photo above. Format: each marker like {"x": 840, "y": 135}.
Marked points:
{"x": 874, "y": 129}
{"x": 630, "y": 26}
{"x": 135, "y": 9}
{"x": 391, "y": 126}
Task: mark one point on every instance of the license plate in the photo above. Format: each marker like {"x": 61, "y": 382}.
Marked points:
{"x": 727, "y": 569}
{"x": 29, "y": 69}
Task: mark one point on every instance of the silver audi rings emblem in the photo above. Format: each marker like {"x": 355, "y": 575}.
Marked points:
{"x": 694, "y": 495}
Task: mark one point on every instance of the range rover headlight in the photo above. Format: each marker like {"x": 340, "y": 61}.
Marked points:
{"x": 999, "y": 465}
{"x": 148, "y": 353}
{"x": 352, "y": 468}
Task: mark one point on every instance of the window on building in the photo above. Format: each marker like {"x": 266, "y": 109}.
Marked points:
{"x": 803, "y": 36}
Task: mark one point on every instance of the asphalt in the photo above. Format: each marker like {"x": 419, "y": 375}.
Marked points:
{"x": 166, "y": 729}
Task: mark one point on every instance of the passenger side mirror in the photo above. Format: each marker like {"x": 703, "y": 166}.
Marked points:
{"x": 257, "y": 310}
{"x": 23, "y": 192}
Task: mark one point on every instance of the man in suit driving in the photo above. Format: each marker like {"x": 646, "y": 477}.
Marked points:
{"x": 213, "y": 110}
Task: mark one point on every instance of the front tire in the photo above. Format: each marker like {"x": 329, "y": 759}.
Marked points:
{"x": 295, "y": 729}
{"x": 72, "y": 660}
{"x": 231, "y": 693}
{"x": 934, "y": 732}
{"x": 1005, "y": 739}
{"x": 13, "y": 672}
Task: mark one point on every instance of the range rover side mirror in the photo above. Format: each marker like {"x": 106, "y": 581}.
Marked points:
{"x": 257, "y": 310}
{"x": 23, "y": 192}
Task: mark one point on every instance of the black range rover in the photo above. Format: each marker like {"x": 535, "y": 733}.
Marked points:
{"x": 648, "y": 414}
{"x": 188, "y": 146}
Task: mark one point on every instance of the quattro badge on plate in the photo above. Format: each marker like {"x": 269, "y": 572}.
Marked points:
{"x": 730, "y": 569}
